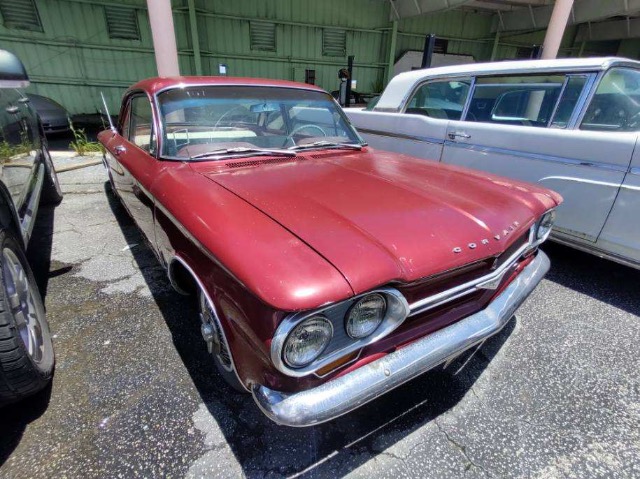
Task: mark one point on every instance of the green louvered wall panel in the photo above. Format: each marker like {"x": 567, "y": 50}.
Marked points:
{"x": 73, "y": 58}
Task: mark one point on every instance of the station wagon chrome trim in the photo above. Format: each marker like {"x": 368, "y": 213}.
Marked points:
{"x": 402, "y": 136}
{"x": 535, "y": 156}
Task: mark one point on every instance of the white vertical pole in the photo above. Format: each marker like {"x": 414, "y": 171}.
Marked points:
{"x": 555, "y": 30}
{"x": 164, "y": 38}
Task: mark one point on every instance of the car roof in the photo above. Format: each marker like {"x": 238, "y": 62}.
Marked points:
{"x": 157, "y": 84}
{"x": 399, "y": 87}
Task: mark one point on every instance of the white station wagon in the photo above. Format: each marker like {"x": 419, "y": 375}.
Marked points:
{"x": 571, "y": 125}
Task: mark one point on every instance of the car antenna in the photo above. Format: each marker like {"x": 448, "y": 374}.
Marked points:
{"x": 106, "y": 110}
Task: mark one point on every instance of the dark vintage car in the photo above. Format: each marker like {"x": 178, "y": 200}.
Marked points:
{"x": 53, "y": 116}
{"x": 326, "y": 273}
{"x": 27, "y": 178}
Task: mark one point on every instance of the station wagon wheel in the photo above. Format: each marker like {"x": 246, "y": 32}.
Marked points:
{"x": 216, "y": 344}
{"x": 26, "y": 349}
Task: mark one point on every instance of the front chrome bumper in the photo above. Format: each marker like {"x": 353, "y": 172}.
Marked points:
{"x": 339, "y": 396}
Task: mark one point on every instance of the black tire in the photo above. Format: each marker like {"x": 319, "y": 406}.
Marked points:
{"x": 51, "y": 190}
{"x": 26, "y": 349}
{"x": 221, "y": 359}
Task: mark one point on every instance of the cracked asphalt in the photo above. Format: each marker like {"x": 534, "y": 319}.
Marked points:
{"x": 556, "y": 394}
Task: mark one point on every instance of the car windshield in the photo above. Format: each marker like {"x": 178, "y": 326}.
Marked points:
{"x": 222, "y": 121}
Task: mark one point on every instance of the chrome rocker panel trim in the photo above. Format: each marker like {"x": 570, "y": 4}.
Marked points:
{"x": 339, "y": 396}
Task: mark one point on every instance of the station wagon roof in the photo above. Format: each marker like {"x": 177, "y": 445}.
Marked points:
{"x": 401, "y": 85}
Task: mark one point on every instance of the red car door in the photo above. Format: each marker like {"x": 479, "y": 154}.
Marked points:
{"x": 133, "y": 166}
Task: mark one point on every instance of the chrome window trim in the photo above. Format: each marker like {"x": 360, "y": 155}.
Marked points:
{"x": 489, "y": 281}
{"x": 579, "y": 109}
{"x": 467, "y": 102}
{"x": 407, "y": 98}
{"x": 388, "y": 325}
{"x": 160, "y": 124}
{"x": 557, "y": 104}
{"x": 589, "y": 98}
{"x": 401, "y": 136}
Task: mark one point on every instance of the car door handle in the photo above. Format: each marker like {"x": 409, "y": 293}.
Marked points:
{"x": 119, "y": 150}
{"x": 12, "y": 109}
{"x": 458, "y": 134}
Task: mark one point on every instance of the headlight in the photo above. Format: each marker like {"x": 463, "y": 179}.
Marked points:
{"x": 365, "y": 316}
{"x": 307, "y": 341}
{"x": 545, "y": 224}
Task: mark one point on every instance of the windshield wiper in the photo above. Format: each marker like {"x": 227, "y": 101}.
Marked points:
{"x": 242, "y": 151}
{"x": 326, "y": 144}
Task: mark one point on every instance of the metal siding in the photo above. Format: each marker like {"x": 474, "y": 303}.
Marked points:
{"x": 74, "y": 58}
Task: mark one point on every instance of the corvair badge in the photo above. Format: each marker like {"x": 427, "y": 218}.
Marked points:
{"x": 485, "y": 241}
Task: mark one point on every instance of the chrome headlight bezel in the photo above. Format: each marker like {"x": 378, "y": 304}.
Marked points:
{"x": 349, "y": 318}
{"x": 544, "y": 226}
{"x": 341, "y": 344}
{"x": 316, "y": 318}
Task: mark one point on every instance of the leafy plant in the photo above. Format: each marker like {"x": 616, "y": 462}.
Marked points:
{"x": 81, "y": 144}
{"x": 9, "y": 152}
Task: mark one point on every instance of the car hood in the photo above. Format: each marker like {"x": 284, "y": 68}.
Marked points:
{"x": 379, "y": 217}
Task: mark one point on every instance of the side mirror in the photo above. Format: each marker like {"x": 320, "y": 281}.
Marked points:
{"x": 12, "y": 72}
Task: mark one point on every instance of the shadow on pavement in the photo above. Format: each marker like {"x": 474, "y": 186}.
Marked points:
{"x": 262, "y": 447}
{"x": 599, "y": 278}
{"x": 14, "y": 418}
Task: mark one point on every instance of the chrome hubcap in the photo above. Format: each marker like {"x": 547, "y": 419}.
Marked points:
{"x": 210, "y": 328}
{"x": 22, "y": 304}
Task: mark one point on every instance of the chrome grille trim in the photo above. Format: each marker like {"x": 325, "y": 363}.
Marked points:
{"x": 489, "y": 281}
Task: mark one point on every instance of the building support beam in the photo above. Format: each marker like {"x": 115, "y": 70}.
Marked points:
{"x": 195, "y": 39}
{"x": 555, "y": 31}
{"x": 413, "y": 8}
{"x": 496, "y": 43}
{"x": 164, "y": 37}
{"x": 613, "y": 30}
{"x": 583, "y": 11}
{"x": 391, "y": 59}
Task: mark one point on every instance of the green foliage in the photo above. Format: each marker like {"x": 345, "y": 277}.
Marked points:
{"x": 9, "y": 152}
{"x": 81, "y": 144}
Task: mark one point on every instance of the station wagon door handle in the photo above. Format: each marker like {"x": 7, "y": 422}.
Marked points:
{"x": 119, "y": 150}
{"x": 458, "y": 134}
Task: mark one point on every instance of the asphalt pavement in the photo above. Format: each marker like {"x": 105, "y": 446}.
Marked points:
{"x": 556, "y": 394}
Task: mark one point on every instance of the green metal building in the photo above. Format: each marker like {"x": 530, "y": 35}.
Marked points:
{"x": 74, "y": 49}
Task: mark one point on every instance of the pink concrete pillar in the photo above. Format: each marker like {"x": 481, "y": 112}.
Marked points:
{"x": 164, "y": 37}
{"x": 555, "y": 30}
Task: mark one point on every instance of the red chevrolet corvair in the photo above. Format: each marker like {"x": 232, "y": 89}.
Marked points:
{"x": 327, "y": 273}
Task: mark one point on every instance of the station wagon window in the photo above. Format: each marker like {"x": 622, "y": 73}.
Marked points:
{"x": 616, "y": 103}
{"x": 440, "y": 99}
{"x": 568, "y": 101}
{"x": 140, "y": 124}
{"x": 515, "y": 100}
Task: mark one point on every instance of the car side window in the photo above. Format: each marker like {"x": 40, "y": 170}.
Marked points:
{"x": 527, "y": 100}
{"x": 568, "y": 101}
{"x": 616, "y": 103}
{"x": 140, "y": 124}
{"x": 440, "y": 99}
